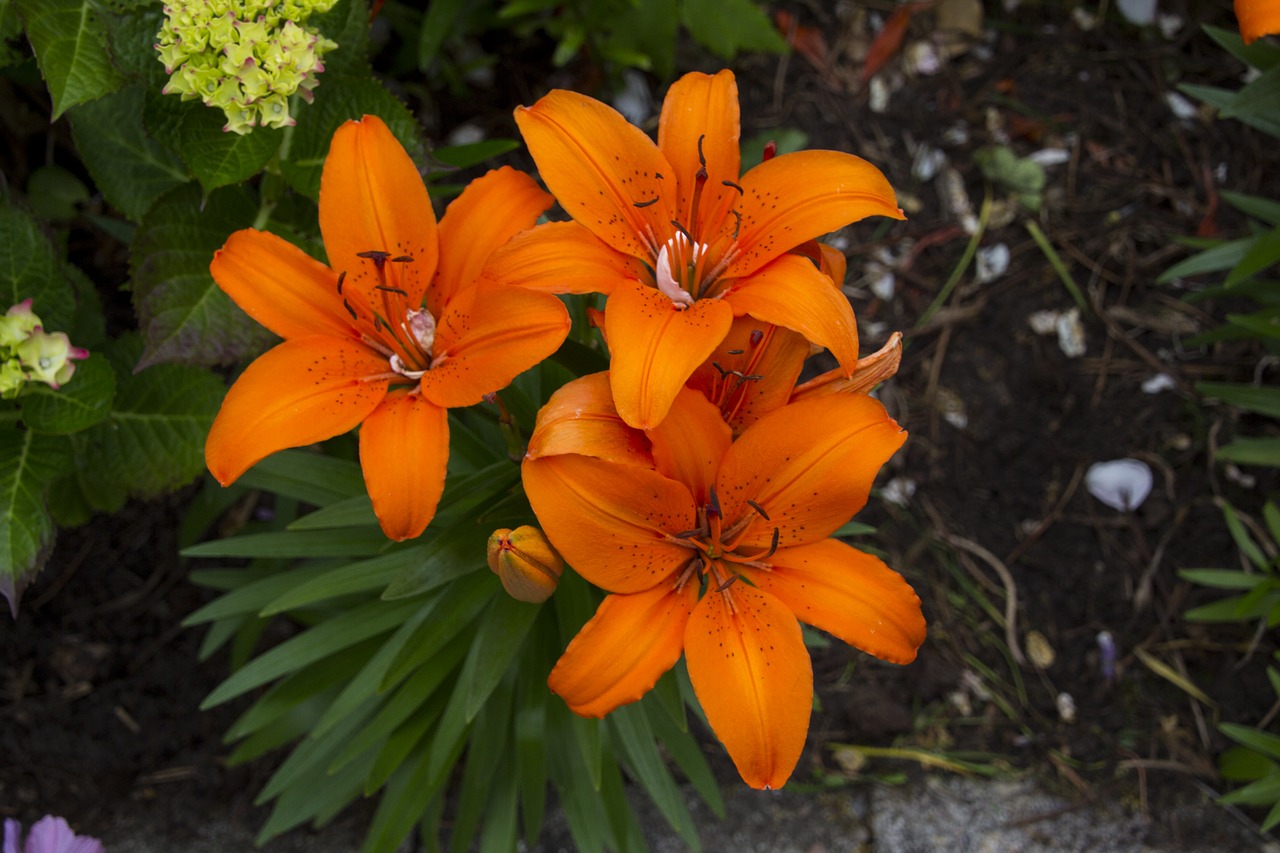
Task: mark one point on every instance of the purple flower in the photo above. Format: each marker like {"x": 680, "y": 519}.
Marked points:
{"x": 48, "y": 835}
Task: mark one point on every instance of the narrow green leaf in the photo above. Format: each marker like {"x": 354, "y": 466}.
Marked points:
{"x": 79, "y": 404}
{"x": 687, "y": 753}
{"x": 355, "y": 511}
{"x": 317, "y": 801}
{"x": 1264, "y": 792}
{"x": 449, "y": 553}
{"x": 1222, "y": 578}
{"x": 1239, "y": 764}
{"x": 246, "y": 599}
{"x": 499, "y": 834}
{"x": 1267, "y": 744}
{"x": 1262, "y": 324}
{"x": 280, "y": 732}
{"x": 634, "y": 739}
{"x": 466, "y": 156}
{"x": 1221, "y": 257}
{"x": 313, "y": 644}
{"x": 362, "y": 577}
{"x": 406, "y": 797}
{"x": 1261, "y": 54}
{"x": 1271, "y": 515}
{"x": 307, "y": 476}
{"x": 1265, "y": 401}
{"x": 70, "y": 43}
{"x": 184, "y": 315}
{"x": 131, "y": 168}
{"x": 462, "y": 604}
{"x": 289, "y": 544}
{"x": 440, "y": 20}
{"x": 1264, "y": 252}
{"x": 484, "y": 764}
{"x": 1258, "y": 97}
{"x": 1252, "y": 451}
{"x": 401, "y": 742}
{"x": 579, "y": 797}
{"x": 1259, "y": 207}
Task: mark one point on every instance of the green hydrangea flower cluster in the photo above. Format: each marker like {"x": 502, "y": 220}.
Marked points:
{"x": 30, "y": 354}
{"x": 245, "y": 57}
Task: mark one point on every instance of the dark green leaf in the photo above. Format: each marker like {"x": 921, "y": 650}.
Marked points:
{"x": 1262, "y": 54}
{"x": 361, "y": 577}
{"x": 1252, "y": 451}
{"x": 79, "y": 404}
{"x": 1259, "y": 97}
{"x": 635, "y": 741}
{"x": 217, "y": 158}
{"x": 1265, "y": 401}
{"x": 466, "y": 156}
{"x": 130, "y": 167}
{"x": 440, "y": 20}
{"x": 1264, "y": 792}
{"x": 1222, "y": 578}
{"x": 247, "y": 594}
{"x": 183, "y": 313}
{"x": 456, "y": 550}
{"x": 291, "y": 544}
{"x": 1264, "y": 252}
{"x": 70, "y": 42}
{"x": 1267, "y": 744}
{"x": 307, "y": 476}
{"x": 1239, "y": 764}
{"x": 29, "y": 461}
{"x": 1220, "y": 257}
{"x": 30, "y": 270}
{"x": 460, "y": 606}
{"x": 1259, "y": 207}
{"x": 726, "y": 27}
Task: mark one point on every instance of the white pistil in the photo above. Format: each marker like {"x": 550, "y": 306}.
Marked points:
{"x": 399, "y": 367}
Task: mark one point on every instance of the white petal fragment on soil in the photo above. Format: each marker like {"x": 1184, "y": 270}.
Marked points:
{"x": 1140, "y": 12}
{"x": 1182, "y": 107}
{"x": 1159, "y": 382}
{"x": 1066, "y": 324}
{"x": 992, "y": 262}
{"x": 1066, "y": 708}
{"x": 899, "y": 490}
{"x": 1122, "y": 484}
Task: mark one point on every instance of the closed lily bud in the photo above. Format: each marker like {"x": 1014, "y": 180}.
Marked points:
{"x": 525, "y": 562}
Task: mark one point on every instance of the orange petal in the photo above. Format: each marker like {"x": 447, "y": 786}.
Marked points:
{"x": 791, "y": 292}
{"x": 799, "y": 196}
{"x": 833, "y": 263}
{"x": 810, "y": 466}
{"x": 752, "y": 371}
{"x": 752, "y": 674}
{"x": 404, "y": 450}
{"x": 849, "y": 594}
{"x": 600, "y": 167}
{"x": 490, "y": 211}
{"x": 303, "y": 391}
{"x": 488, "y": 336}
{"x": 656, "y": 347}
{"x": 280, "y": 286}
{"x": 700, "y": 116}
{"x": 690, "y": 442}
{"x": 870, "y": 372}
{"x": 372, "y": 199}
{"x": 562, "y": 257}
{"x": 611, "y": 522}
{"x": 623, "y": 650}
{"x": 1257, "y": 18}
{"x": 580, "y": 418}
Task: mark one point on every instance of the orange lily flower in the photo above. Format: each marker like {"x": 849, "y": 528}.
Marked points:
{"x": 1257, "y": 18}
{"x": 404, "y": 323}
{"x": 717, "y": 548}
{"x": 681, "y": 241}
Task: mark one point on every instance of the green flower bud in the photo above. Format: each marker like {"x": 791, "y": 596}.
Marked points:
{"x": 48, "y": 357}
{"x": 17, "y": 324}
{"x": 12, "y": 378}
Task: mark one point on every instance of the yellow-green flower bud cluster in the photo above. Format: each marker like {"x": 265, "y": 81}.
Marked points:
{"x": 30, "y": 354}
{"x": 245, "y": 57}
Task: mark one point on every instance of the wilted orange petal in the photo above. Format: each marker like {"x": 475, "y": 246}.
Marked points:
{"x": 599, "y": 167}
{"x": 372, "y": 199}
{"x": 870, "y": 372}
{"x": 751, "y": 671}
{"x": 792, "y": 292}
{"x": 656, "y": 347}
{"x": 580, "y": 418}
{"x": 404, "y": 450}
{"x": 610, "y": 522}
{"x": 490, "y": 211}
{"x": 561, "y": 257}
{"x": 280, "y": 286}
{"x": 689, "y": 443}
{"x": 752, "y": 371}
{"x": 796, "y": 197}
{"x": 1257, "y": 18}
{"x": 700, "y": 113}
{"x": 488, "y": 336}
{"x": 810, "y": 465}
{"x": 849, "y": 594}
{"x": 303, "y": 391}
{"x": 623, "y": 650}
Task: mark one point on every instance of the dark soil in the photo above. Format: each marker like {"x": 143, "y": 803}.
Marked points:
{"x": 99, "y": 687}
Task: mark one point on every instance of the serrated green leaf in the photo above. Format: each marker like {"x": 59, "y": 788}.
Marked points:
{"x": 316, "y": 643}
{"x": 1252, "y": 451}
{"x": 30, "y": 270}
{"x": 1251, "y": 398}
{"x": 183, "y": 313}
{"x": 153, "y": 440}
{"x": 129, "y": 166}
{"x": 79, "y": 404}
{"x": 217, "y": 158}
{"x": 340, "y": 98}
{"x": 131, "y": 29}
{"x": 29, "y": 461}
{"x": 12, "y": 51}
{"x": 70, "y": 42}
{"x": 726, "y": 27}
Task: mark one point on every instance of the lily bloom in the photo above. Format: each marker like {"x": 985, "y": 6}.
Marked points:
{"x": 1257, "y": 18}
{"x": 405, "y": 322}
{"x": 681, "y": 241}
{"x": 718, "y": 548}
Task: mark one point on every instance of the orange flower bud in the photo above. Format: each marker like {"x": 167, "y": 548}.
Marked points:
{"x": 525, "y": 562}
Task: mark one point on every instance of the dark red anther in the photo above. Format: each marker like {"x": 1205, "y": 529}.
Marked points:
{"x": 342, "y": 276}
{"x": 757, "y": 335}
{"x": 770, "y": 150}
{"x": 722, "y": 587}
{"x": 350, "y": 310}
{"x": 379, "y": 258}
{"x": 713, "y": 506}
{"x": 758, "y": 509}
{"x": 653, "y": 200}
{"x": 402, "y": 259}
{"x": 735, "y": 186}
